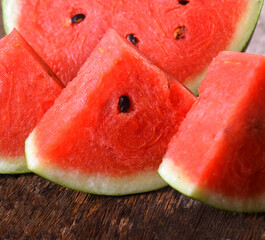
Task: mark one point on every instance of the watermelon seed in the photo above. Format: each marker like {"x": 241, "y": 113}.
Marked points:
{"x": 78, "y": 18}
{"x": 124, "y": 104}
{"x": 132, "y": 39}
{"x": 183, "y": 2}
{"x": 179, "y": 32}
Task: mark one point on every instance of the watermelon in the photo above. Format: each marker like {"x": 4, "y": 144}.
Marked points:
{"x": 218, "y": 154}
{"x": 109, "y": 129}
{"x": 28, "y": 89}
{"x": 180, "y": 37}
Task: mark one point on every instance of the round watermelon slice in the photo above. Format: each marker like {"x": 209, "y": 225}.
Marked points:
{"x": 109, "y": 129}
{"x": 181, "y": 37}
{"x": 218, "y": 154}
{"x": 28, "y": 89}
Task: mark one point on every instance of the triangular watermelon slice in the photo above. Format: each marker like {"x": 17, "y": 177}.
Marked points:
{"x": 218, "y": 154}
{"x": 28, "y": 89}
{"x": 181, "y": 37}
{"x": 109, "y": 129}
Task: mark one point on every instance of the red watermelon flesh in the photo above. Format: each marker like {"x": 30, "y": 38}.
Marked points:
{"x": 28, "y": 89}
{"x": 87, "y": 143}
{"x": 180, "y": 38}
{"x": 218, "y": 154}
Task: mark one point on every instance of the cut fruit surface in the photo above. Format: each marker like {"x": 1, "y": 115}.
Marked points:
{"x": 180, "y": 38}
{"x": 218, "y": 154}
{"x": 109, "y": 129}
{"x": 28, "y": 89}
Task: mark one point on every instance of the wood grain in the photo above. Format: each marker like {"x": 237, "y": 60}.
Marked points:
{"x": 34, "y": 208}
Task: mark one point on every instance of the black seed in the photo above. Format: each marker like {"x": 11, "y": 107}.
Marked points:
{"x": 179, "y": 32}
{"x": 183, "y": 2}
{"x": 132, "y": 39}
{"x": 78, "y": 18}
{"x": 124, "y": 104}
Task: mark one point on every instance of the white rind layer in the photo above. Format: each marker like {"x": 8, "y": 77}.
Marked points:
{"x": 11, "y": 10}
{"x": 98, "y": 184}
{"x": 176, "y": 178}
{"x": 246, "y": 26}
{"x": 193, "y": 83}
{"x": 15, "y": 165}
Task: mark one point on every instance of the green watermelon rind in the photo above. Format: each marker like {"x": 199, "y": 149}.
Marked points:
{"x": 13, "y": 165}
{"x": 10, "y": 9}
{"x": 97, "y": 184}
{"x": 176, "y": 178}
{"x": 246, "y": 26}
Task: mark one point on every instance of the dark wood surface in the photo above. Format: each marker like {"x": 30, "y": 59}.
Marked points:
{"x": 34, "y": 208}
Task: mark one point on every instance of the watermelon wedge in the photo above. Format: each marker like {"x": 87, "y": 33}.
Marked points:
{"x": 181, "y": 37}
{"x": 109, "y": 129}
{"x": 28, "y": 89}
{"x": 218, "y": 154}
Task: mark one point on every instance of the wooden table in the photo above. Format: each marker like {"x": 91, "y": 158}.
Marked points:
{"x": 34, "y": 208}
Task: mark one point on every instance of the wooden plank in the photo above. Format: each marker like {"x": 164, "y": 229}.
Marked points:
{"x": 34, "y": 208}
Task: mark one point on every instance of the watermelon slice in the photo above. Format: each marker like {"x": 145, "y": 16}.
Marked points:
{"x": 109, "y": 129}
{"x": 218, "y": 154}
{"x": 28, "y": 88}
{"x": 181, "y": 37}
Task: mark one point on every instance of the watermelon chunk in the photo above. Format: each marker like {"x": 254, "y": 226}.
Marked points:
{"x": 182, "y": 38}
{"x": 109, "y": 129}
{"x": 218, "y": 154}
{"x": 28, "y": 89}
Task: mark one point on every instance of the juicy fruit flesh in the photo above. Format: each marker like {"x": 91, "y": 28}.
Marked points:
{"x": 229, "y": 157}
{"x": 94, "y": 136}
{"x": 209, "y": 27}
{"x": 25, "y": 94}
{"x": 242, "y": 147}
{"x": 123, "y": 136}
